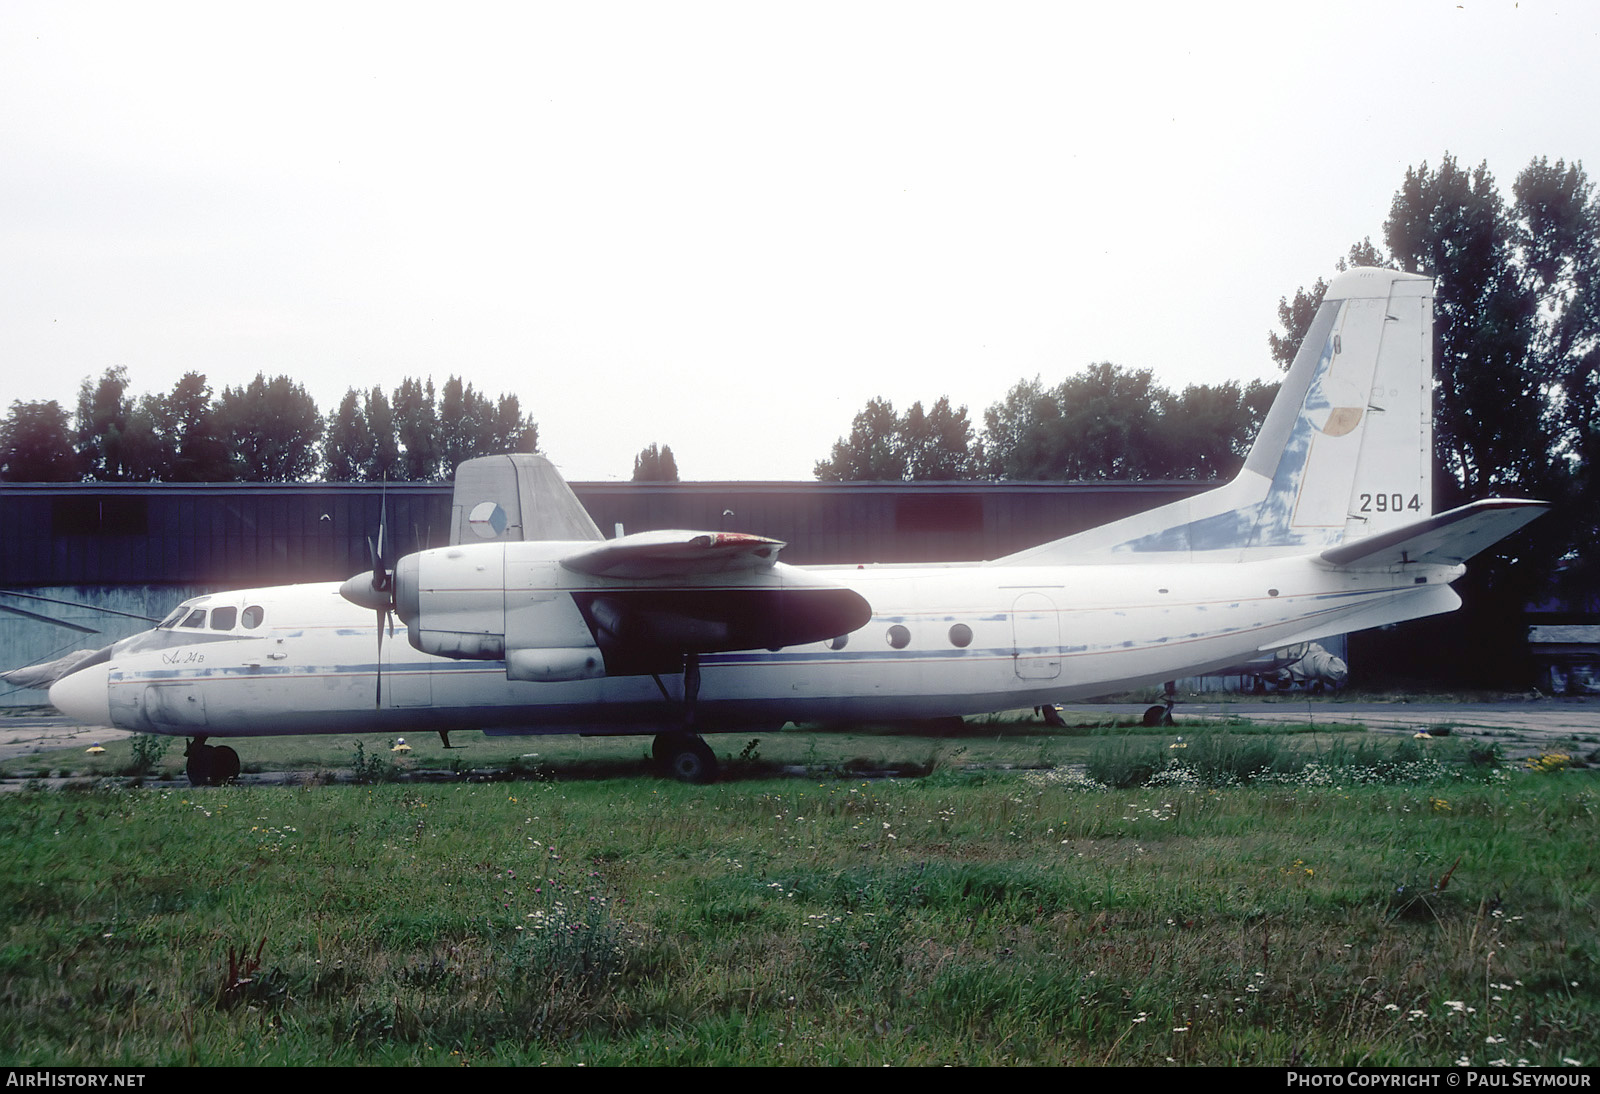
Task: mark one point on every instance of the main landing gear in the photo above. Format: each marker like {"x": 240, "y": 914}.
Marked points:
{"x": 1162, "y": 715}
{"x": 210, "y": 765}
{"x": 683, "y": 754}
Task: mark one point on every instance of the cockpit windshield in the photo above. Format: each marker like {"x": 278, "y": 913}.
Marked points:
{"x": 225, "y": 618}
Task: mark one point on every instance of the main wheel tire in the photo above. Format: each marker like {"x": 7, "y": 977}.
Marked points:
{"x": 690, "y": 760}
{"x": 224, "y": 765}
{"x": 1157, "y": 716}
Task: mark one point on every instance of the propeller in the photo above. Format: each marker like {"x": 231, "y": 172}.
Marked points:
{"x": 375, "y": 588}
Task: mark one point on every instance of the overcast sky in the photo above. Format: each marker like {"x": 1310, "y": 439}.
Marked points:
{"x": 725, "y": 227}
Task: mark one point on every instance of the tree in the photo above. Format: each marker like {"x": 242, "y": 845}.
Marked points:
{"x": 471, "y": 426}
{"x": 1558, "y": 216}
{"x": 462, "y": 419}
{"x": 654, "y": 464}
{"x": 416, "y": 419}
{"x": 938, "y": 446}
{"x": 1102, "y": 423}
{"x": 347, "y": 444}
{"x": 271, "y": 428}
{"x": 920, "y": 446}
{"x": 382, "y": 461}
{"x": 872, "y": 451}
{"x": 102, "y": 424}
{"x": 510, "y": 430}
{"x": 175, "y": 437}
{"x": 36, "y": 444}
{"x": 1205, "y": 433}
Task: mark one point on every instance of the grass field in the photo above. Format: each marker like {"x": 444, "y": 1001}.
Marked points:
{"x": 1375, "y": 908}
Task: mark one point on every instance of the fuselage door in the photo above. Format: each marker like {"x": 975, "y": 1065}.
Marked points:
{"x": 1036, "y": 632}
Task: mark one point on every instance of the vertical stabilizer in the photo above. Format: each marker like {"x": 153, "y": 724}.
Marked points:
{"x": 1345, "y": 452}
{"x": 515, "y": 497}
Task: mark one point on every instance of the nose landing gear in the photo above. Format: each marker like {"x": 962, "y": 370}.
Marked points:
{"x": 210, "y": 765}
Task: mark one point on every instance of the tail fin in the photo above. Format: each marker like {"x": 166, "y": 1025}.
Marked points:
{"x": 515, "y": 497}
{"x": 1345, "y": 452}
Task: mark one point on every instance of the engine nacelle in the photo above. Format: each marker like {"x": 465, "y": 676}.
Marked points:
{"x": 484, "y": 603}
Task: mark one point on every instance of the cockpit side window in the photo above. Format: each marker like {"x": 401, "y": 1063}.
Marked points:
{"x": 222, "y": 619}
{"x": 172, "y": 620}
{"x": 196, "y": 618}
{"x": 252, "y": 617}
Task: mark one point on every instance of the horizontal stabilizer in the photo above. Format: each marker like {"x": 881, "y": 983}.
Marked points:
{"x": 675, "y": 554}
{"x": 1448, "y": 539}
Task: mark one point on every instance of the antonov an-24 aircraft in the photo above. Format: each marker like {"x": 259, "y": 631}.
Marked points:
{"x": 532, "y": 622}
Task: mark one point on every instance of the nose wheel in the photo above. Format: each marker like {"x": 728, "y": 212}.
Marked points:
{"x": 210, "y": 765}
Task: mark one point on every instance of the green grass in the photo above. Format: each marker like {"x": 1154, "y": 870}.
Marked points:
{"x": 971, "y": 916}
{"x": 1014, "y": 740}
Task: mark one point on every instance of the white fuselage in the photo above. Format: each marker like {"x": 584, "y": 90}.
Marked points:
{"x": 946, "y": 640}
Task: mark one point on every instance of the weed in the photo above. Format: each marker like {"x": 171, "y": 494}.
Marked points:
{"x": 1122, "y": 764}
{"x": 242, "y": 968}
{"x": 366, "y": 768}
{"x": 1421, "y": 898}
{"x": 1485, "y": 754}
{"x": 148, "y": 750}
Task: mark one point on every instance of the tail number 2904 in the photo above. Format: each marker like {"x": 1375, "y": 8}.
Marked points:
{"x": 1389, "y": 503}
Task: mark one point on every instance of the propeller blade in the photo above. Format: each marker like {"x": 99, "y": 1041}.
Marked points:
{"x": 377, "y": 696}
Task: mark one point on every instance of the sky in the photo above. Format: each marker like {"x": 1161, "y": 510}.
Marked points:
{"x": 724, "y": 227}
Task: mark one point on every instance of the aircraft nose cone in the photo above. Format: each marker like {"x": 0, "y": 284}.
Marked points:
{"x": 83, "y": 695}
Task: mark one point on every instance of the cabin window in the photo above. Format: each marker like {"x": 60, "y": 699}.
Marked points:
{"x": 196, "y": 618}
{"x": 223, "y": 619}
{"x": 899, "y": 637}
{"x": 961, "y": 636}
{"x": 252, "y": 617}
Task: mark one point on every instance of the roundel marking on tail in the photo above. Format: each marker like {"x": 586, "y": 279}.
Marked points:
{"x": 1339, "y": 421}
{"x": 487, "y": 519}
